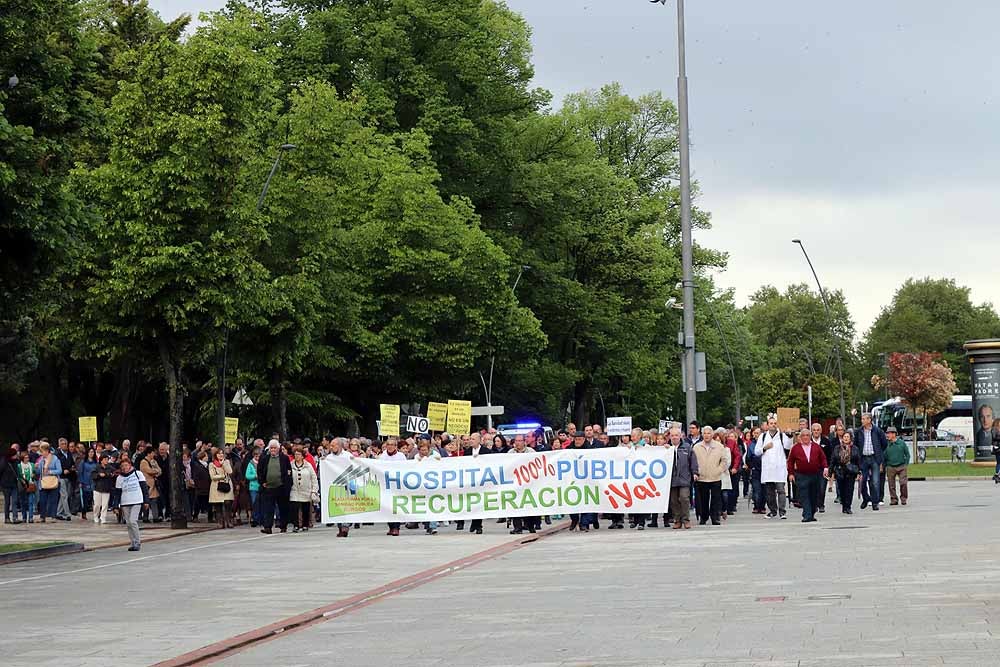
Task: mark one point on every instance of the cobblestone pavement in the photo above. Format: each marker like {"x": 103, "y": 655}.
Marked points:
{"x": 914, "y": 585}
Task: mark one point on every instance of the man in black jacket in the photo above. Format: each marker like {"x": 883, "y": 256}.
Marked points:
{"x": 475, "y": 448}
{"x": 274, "y": 472}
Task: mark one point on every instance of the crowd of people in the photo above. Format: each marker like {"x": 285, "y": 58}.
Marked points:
{"x": 277, "y": 484}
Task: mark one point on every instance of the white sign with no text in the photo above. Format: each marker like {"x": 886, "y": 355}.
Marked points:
{"x": 619, "y": 425}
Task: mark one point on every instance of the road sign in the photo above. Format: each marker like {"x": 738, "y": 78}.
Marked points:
{"x": 417, "y": 424}
{"x": 483, "y": 410}
{"x": 700, "y": 375}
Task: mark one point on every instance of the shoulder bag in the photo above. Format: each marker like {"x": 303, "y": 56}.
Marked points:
{"x": 49, "y": 482}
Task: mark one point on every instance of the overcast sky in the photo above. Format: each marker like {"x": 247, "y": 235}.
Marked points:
{"x": 870, "y": 130}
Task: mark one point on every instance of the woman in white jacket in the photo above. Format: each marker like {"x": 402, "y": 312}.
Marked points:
{"x": 305, "y": 486}
{"x": 773, "y": 471}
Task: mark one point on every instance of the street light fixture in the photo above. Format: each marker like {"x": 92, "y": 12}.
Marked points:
{"x": 488, "y": 387}
{"x": 220, "y": 416}
{"x": 829, "y": 319}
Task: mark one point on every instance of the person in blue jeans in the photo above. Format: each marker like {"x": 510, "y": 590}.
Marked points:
{"x": 872, "y": 443}
{"x": 253, "y": 486}
{"x": 27, "y": 481}
{"x": 47, "y": 465}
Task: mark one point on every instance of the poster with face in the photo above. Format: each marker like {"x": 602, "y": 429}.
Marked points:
{"x": 985, "y": 406}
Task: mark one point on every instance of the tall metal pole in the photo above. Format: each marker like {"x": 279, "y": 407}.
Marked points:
{"x": 489, "y": 388}
{"x": 829, "y": 319}
{"x": 687, "y": 259}
{"x": 220, "y": 369}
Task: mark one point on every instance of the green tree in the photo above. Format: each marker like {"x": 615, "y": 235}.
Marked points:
{"x": 934, "y": 315}
{"x": 775, "y": 389}
{"x": 174, "y": 262}
{"x": 41, "y": 118}
{"x": 793, "y": 328}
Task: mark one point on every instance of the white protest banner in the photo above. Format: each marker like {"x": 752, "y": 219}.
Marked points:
{"x": 619, "y": 426}
{"x": 615, "y": 479}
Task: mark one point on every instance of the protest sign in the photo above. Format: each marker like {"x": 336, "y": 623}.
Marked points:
{"x": 459, "y": 417}
{"x": 232, "y": 430}
{"x": 788, "y": 419}
{"x": 437, "y": 413}
{"x": 389, "y": 420}
{"x": 88, "y": 429}
{"x": 619, "y": 426}
{"x": 615, "y": 479}
{"x": 417, "y": 424}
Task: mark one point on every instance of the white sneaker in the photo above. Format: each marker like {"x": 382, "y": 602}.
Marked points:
{"x": 96, "y": 520}
{"x": 103, "y": 521}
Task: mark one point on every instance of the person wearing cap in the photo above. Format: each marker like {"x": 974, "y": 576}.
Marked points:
{"x": 897, "y": 458}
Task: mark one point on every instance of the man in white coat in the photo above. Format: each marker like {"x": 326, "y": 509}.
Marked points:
{"x": 770, "y": 447}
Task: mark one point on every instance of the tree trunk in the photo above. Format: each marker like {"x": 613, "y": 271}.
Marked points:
{"x": 175, "y": 394}
{"x": 279, "y": 402}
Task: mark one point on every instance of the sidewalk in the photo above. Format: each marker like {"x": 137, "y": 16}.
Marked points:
{"x": 89, "y": 534}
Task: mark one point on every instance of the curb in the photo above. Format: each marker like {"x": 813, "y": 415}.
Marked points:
{"x": 52, "y": 552}
{"x": 232, "y": 645}
{"x": 41, "y": 552}
{"x": 972, "y": 478}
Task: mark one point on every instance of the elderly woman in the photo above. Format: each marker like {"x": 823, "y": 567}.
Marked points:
{"x": 49, "y": 470}
{"x": 220, "y": 493}
{"x": 151, "y": 471}
{"x": 845, "y": 468}
{"x": 305, "y": 488}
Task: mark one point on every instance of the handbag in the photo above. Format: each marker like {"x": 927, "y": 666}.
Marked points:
{"x": 49, "y": 482}
{"x": 224, "y": 486}
{"x": 30, "y": 487}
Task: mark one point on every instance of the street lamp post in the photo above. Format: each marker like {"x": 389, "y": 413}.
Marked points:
{"x": 488, "y": 386}
{"x": 220, "y": 416}
{"x": 829, "y": 319}
{"x": 687, "y": 258}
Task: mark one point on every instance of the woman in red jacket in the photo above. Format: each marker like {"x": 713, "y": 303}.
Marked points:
{"x": 735, "y": 468}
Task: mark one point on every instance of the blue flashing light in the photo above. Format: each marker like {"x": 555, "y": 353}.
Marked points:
{"x": 528, "y": 425}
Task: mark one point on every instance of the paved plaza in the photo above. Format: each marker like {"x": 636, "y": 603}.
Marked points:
{"x": 918, "y": 585}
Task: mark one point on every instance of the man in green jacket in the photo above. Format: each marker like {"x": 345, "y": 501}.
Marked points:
{"x": 897, "y": 457}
